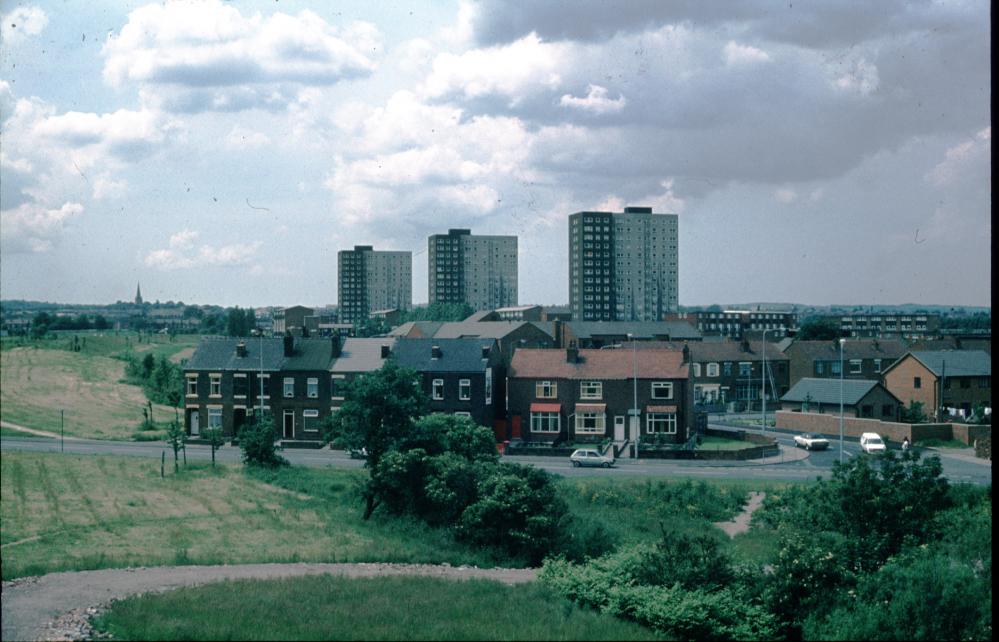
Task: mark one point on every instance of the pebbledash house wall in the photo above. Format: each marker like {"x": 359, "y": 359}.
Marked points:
{"x": 892, "y": 431}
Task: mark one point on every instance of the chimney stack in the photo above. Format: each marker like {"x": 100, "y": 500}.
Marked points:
{"x": 557, "y": 331}
{"x": 745, "y": 345}
{"x": 572, "y": 353}
{"x": 485, "y": 352}
{"x": 435, "y": 352}
{"x": 686, "y": 354}
{"x": 385, "y": 351}
{"x": 335, "y": 346}
{"x": 289, "y": 344}
{"x": 241, "y": 349}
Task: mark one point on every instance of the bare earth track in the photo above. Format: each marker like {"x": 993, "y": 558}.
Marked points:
{"x": 55, "y": 606}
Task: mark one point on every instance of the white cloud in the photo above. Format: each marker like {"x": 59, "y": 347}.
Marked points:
{"x": 22, "y": 23}
{"x": 105, "y": 187}
{"x": 199, "y": 56}
{"x": 595, "y": 101}
{"x": 963, "y": 157}
{"x": 240, "y": 138}
{"x": 785, "y": 195}
{"x": 509, "y": 71}
{"x": 182, "y": 253}
{"x": 861, "y": 77}
{"x": 33, "y": 227}
{"x": 736, "y": 54}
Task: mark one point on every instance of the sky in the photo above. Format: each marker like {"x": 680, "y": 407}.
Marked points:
{"x": 223, "y": 152}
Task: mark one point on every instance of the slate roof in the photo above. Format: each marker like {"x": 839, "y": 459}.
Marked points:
{"x": 457, "y": 329}
{"x": 219, "y": 353}
{"x": 852, "y": 349}
{"x": 457, "y": 355}
{"x": 640, "y": 329}
{"x": 416, "y": 329}
{"x": 827, "y": 390}
{"x": 715, "y": 351}
{"x": 362, "y": 355}
{"x": 599, "y": 364}
{"x": 956, "y": 363}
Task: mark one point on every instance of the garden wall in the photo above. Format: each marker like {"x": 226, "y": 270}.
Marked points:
{"x": 853, "y": 427}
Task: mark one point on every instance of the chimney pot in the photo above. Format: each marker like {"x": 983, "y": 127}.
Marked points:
{"x": 241, "y": 349}
{"x": 485, "y": 352}
{"x": 572, "y": 353}
{"x": 385, "y": 351}
{"x": 435, "y": 352}
{"x": 289, "y": 345}
{"x": 335, "y": 347}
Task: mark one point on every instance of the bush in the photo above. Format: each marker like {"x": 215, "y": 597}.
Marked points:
{"x": 257, "y": 441}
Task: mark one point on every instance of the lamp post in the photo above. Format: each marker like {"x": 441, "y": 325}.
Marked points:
{"x": 841, "y": 342}
{"x": 763, "y": 380}
{"x": 634, "y": 408}
{"x": 260, "y": 377}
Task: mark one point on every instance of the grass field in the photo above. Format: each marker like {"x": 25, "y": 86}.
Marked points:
{"x": 332, "y": 608}
{"x": 40, "y": 379}
{"x": 69, "y": 512}
{"x": 710, "y": 442}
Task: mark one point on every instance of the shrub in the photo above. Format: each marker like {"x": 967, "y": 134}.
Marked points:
{"x": 257, "y": 441}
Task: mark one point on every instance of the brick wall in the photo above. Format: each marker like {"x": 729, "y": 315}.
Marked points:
{"x": 969, "y": 433}
{"x": 852, "y": 427}
{"x": 983, "y": 447}
{"x": 900, "y": 381}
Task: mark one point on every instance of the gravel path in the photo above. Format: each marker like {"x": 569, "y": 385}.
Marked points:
{"x": 740, "y": 523}
{"x": 55, "y": 606}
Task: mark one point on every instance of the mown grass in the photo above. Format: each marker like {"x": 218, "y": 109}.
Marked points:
{"x": 10, "y": 432}
{"x": 42, "y": 378}
{"x": 710, "y": 442}
{"x": 71, "y": 512}
{"x": 335, "y": 608}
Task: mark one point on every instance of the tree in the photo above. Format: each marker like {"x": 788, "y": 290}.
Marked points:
{"x": 175, "y": 437}
{"x": 914, "y": 413}
{"x": 215, "y": 439}
{"x": 257, "y": 440}
{"x": 819, "y": 329}
{"x": 100, "y": 323}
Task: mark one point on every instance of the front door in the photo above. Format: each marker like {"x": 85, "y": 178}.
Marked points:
{"x": 195, "y": 423}
{"x": 619, "y": 428}
{"x": 289, "y": 424}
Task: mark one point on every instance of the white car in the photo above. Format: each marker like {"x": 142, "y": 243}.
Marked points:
{"x": 872, "y": 444}
{"x": 590, "y": 457}
{"x": 809, "y": 441}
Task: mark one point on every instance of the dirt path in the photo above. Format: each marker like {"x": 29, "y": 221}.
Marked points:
{"x": 740, "y": 523}
{"x": 41, "y": 433}
{"x": 53, "y": 606}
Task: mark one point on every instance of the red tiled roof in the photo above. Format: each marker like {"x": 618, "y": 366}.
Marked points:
{"x": 599, "y": 364}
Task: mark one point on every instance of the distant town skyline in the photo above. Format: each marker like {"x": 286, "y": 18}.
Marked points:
{"x": 224, "y": 153}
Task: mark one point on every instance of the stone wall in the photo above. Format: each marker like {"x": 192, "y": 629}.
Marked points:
{"x": 983, "y": 447}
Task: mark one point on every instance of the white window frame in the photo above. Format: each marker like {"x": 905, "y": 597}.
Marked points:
{"x": 464, "y": 389}
{"x": 192, "y": 385}
{"x": 877, "y": 365}
{"x": 312, "y": 387}
{"x": 856, "y": 366}
{"x": 215, "y": 385}
{"x": 696, "y": 369}
{"x": 215, "y": 413}
{"x": 662, "y": 385}
{"x": 546, "y": 389}
{"x": 336, "y": 381}
{"x": 489, "y": 386}
{"x": 239, "y": 376}
{"x": 284, "y": 388}
{"x": 437, "y": 389}
{"x": 745, "y": 368}
{"x": 310, "y": 413}
{"x": 712, "y": 370}
{"x": 665, "y": 419}
{"x": 539, "y": 419}
{"x": 463, "y": 413}
{"x": 597, "y": 427}
{"x": 591, "y": 389}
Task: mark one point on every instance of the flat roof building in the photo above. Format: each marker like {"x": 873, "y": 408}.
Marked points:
{"x": 480, "y": 271}
{"x": 369, "y": 280}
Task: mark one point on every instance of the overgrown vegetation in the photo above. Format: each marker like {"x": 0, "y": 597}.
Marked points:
{"x": 886, "y": 549}
{"x": 160, "y": 379}
{"x": 257, "y": 441}
{"x": 337, "y": 608}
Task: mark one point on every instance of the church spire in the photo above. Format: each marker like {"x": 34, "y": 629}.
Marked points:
{"x": 138, "y": 295}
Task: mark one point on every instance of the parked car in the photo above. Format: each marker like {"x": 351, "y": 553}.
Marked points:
{"x": 358, "y": 454}
{"x": 809, "y": 441}
{"x": 590, "y": 457}
{"x": 872, "y": 444}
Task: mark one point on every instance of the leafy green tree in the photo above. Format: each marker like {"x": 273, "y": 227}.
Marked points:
{"x": 914, "y": 413}
{"x": 100, "y": 323}
{"x": 215, "y": 439}
{"x": 693, "y": 561}
{"x": 175, "y": 438}
{"x": 257, "y": 441}
{"x": 819, "y": 329}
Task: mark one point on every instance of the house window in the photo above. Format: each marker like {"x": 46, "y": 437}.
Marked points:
{"x": 856, "y": 366}
{"x": 727, "y": 368}
{"x": 835, "y": 367}
{"x": 312, "y": 388}
{"x": 289, "y": 387}
{"x": 820, "y": 367}
{"x": 489, "y": 386}
{"x": 465, "y": 389}
{"x": 662, "y": 390}
{"x": 546, "y": 390}
{"x": 747, "y": 392}
{"x": 240, "y": 385}
{"x": 591, "y": 422}
{"x": 591, "y": 389}
{"x": 438, "y": 389}
{"x": 545, "y": 422}
{"x": 866, "y": 411}
{"x": 214, "y": 417}
{"x": 712, "y": 369}
{"x": 888, "y": 410}
{"x": 310, "y": 420}
{"x": 335, "y": 382}
{"x": 661, "y": 423}
{"x": 463, "y": 414}
{"x": 745, "y": 369}
{"x": 215, "y": 387}
{"x": 917, "y": 382}
{"x": 192, "y": 386}
{"x": 877, "y": 365}
{"x": 696, "y": 368}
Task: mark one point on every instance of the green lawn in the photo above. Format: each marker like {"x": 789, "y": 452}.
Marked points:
{"x": 334, "y": 608}
{"x": 42, "y": 378}
{"x": 710, "y": 442}
{"x": 10, "y": 432}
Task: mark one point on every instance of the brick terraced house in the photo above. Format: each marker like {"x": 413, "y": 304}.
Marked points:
{"x": 862, "y": 358}
{"x": 590, "y": 395}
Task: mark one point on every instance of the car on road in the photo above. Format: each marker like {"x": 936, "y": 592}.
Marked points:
{"x": 590, "y": 457}
{"x": 809, "y": 441}
{"x": 358, "y": 454}
{"x": 872, "y": 444}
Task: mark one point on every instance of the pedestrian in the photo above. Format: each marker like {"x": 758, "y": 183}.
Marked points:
{"x": 905, "y": 444}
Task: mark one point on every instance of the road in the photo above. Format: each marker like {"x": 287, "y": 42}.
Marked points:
{"x": 791, "y": 465}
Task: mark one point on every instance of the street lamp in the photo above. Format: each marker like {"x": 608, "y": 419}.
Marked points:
{"x": 634, "y": 408}
{"x": 841, "y": 342}
{"x": 763, "y": 377}
{"x": 260, "y": 377}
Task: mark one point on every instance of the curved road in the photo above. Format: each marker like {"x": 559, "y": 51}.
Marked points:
{"x": 32, "y": 605}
